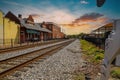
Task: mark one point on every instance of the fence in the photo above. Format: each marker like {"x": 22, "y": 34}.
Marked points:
{"x": 9, "y": 43}
{"x": 99, "y": 42}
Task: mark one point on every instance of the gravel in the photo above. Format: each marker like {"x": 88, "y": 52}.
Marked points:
{"x": 59, "y": 66}
{"x": 16, "y": 53}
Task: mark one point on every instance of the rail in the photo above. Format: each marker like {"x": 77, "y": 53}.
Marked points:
{"x": 16, "y": 48}
{"x": 18, "y": 62}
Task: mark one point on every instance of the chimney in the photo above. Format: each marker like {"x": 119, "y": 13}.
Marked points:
{"x": 43, "y": 24}
{"x": 19, "y": 16}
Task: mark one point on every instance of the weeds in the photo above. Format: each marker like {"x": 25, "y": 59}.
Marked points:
{"x": 93, "y": 54}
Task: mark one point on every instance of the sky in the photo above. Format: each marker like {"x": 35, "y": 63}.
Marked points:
{"x": 75, "y": 16}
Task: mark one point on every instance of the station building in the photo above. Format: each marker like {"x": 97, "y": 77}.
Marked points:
{"x": 15, "y": 29}
{"x": 103, "y": 31}
{"x": 29, "y": 30}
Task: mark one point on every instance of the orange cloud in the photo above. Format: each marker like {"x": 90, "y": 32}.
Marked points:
{"x": 76, "y": 28}
{"x": 88, "y": 17}
{"x": 56, "y": 16}
{"x": 102, "y": 19}
{"x": 86, "y": 23}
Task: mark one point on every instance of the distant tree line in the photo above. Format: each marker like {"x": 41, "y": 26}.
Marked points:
{"x": 76, "y": 35}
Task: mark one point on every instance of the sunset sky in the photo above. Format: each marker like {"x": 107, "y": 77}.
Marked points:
{"x": 76, "y": 16}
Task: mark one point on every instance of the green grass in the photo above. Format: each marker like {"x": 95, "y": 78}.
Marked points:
{"x": 94, "y": 54}
{"x": 115, "y": 72}
{"x": 80, "y": 77}
{"x": 91, "y": 54}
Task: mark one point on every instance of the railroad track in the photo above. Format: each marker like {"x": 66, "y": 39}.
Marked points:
{"x": 10, "y": 65}
{"x": 26, "y": 46}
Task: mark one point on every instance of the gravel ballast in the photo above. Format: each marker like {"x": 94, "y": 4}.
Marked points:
{"x": 59, "y": 66}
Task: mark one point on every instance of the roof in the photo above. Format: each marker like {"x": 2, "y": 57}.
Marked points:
{"x": 42, "y": 29}
{"x": 36, "y": 26}
{"x": 46, "y": 30}
{"x": 107, "y": 26}
{"x": 57, "y": 25}
{"x": 30, "y": 19}
{"x": 12, "y": 17}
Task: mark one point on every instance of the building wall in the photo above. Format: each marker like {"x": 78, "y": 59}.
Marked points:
{"x": 41, "y": 36}
{"x": 49, "y": 27}
{"x": 22, "y": 34}
{"x": 1, "y": 27}
{"x": 56, "y": 31}
{"x": 61, "y": 35}
{"x": 16, "y": 34}
{"x": 11, "y": 32}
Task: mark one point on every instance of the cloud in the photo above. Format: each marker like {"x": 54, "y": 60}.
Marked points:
{"x": 57, "y": 16}
{"x": 36, "y": 15}
{"x": 85, "y": 28}
{"x": 83, "y": 2}
{"x": 61, "y": 16}
{"x": 50, "y": 14}
{"x": 11, "y": 3}
{"x": 94, "y": 19}
{"x": 88, "y": 22}
{"x": 89, "y": 17}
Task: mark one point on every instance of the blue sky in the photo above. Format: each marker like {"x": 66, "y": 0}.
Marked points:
{"x": 61, "y": 11}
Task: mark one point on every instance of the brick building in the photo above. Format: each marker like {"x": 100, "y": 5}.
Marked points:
{"x": 55, "y": 29}
{"x": 29, "y": 30}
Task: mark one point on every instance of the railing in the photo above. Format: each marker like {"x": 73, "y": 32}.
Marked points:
{"x": 99, "y": 42}
{"x": 10, "y": 43}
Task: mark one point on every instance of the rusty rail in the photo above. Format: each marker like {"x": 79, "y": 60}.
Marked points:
{"x": 26, "y": 46}
{"x": 31, "y": 58}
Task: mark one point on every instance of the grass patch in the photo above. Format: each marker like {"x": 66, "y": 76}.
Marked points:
{"x": 79, "y": 77}
{"x": 91, "y": 52}
{"x": 93, "y": 56}
{"x": 115, "y": 72}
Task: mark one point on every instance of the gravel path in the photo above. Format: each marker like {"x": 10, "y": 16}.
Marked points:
{"x": 16, "y": 53}
{"x": 60, "y": 66}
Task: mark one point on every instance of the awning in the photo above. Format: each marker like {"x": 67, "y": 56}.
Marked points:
{"x": 32, "y": 32}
